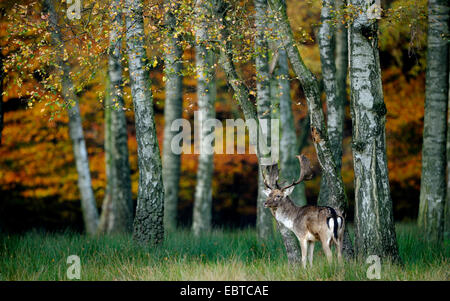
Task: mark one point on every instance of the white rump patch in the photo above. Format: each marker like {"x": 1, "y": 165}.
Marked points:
{"x": 339, "y": 221}
{"x": 282, "y": 218}
{"x": 331, "y": 223}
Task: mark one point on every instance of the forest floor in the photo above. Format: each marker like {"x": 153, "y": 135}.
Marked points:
{"x": 220, "y": 255}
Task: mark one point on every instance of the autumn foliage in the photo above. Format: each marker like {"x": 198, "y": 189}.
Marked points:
{"x": 37, "y": 169}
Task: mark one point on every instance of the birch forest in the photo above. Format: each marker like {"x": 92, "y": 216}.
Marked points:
{"x": 220, "y": 139}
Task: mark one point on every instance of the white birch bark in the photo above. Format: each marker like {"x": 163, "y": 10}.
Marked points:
{"x": 88, "y": 203}
{"x": 433, "y": 185}
{"x": 335, "y": 108}
{"x": 202, "y": 214}
{"x": 263, "y": 99}
{"x": 148, "y": 222}
{"x": 374, "y": 222}
{"x": 172, "y": 111}
{"x": 447, "y": 200}
{"x": 117, "y": 212}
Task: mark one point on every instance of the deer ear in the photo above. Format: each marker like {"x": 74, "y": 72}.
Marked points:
{"x": 288, "y": 191}
{"x": 266, "y": 192}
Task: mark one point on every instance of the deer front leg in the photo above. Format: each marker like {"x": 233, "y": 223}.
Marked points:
{"x": 304, "y": 247}
{"x": 326, "y": 249}
{"x": 311, "y": 252}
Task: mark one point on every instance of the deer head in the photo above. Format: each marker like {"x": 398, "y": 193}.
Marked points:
{"x": 277, "y": 194}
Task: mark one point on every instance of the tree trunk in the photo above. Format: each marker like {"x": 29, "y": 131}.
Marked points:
{"x": 148, "y": 223}
{"x": 264, "y": 225}
{"x": 335, "y": 105}
{"x": 341, "y": 62}
{"x": 374, "y": 222}
{"x": 202, "y": 215}
{"x": 263, "y": 107}
{"x": 337, "y": 196}
{"x": 290, "y": 169}
{"x": 172, "y": 111}
{"x": 447, "y": 201}
{"x": 106, "y": 216}
{"x": 117, "y": 215}
{"x": 432, "y": 186}
{"x": 88, "y": 204}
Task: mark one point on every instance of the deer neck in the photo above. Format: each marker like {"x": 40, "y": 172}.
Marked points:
{"x": 285, "y": 214}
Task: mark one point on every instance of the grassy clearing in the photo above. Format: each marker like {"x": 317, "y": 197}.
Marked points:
{"x": 220, "y": 255}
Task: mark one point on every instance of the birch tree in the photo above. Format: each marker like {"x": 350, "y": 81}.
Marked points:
{"x": 117, "y": 213}
{"x": 172, "y": 111}
{"x": 264, "y": 108}
{"x": 337, "y": 196}
{"x": 447, "y": 201}
{"x": 432, "y": 186}
{"x": 341, "y": 62}
{"x": 88, "y": 204}
{"x": 335, "y": 104}
{"x": 204, "y": 59}
{"x": 289, "y": 141}
{"x": 374, "y": 222}
{"x": 148, "y": 222}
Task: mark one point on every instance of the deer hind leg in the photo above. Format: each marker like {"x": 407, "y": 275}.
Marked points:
{"x": 326, "y": 248}
{"x": 310, "y": 252}
{"x": 340, "y": 244}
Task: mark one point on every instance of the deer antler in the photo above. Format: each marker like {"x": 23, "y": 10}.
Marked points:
{"x": 271, "y": 182}
{"x": 306, "y": 172}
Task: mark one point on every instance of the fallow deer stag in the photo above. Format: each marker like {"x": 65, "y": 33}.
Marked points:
{"x": 309, "y": 223}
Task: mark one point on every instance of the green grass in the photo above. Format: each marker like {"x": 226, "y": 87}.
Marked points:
{"x": 220, "y": 255}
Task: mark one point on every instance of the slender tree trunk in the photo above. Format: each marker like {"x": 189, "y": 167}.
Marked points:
{"x": 337, "y": 197}
{"x": 117, "y": 214}
{"x": 148, "y": 223}
{"x": 341, "y": 61}
{"x": 335, "y": 108}
{"x": 447, "y": 201}
{"x": 88, "y": 204}
{"x": 374, "y": 222}
{"x": 432, "y": 188}
{"x": 202, "y": 215}
{"x": 264, "y": 225}
{"x": 263, "y": 100}
{"x": 290, "y": 169}
{"x": 172, "y": 111}
{"x": 106, "y": 216}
